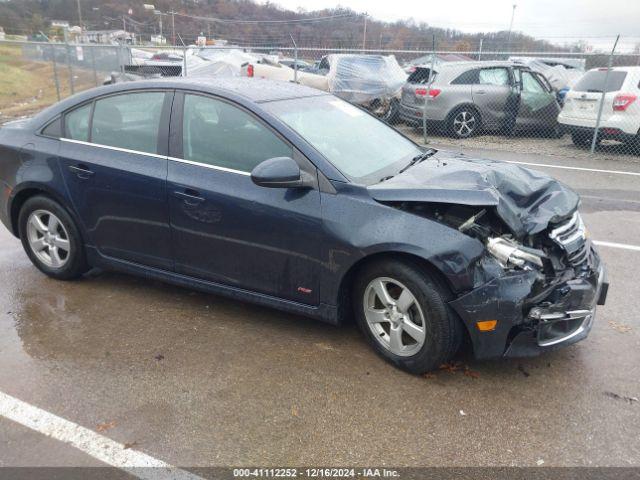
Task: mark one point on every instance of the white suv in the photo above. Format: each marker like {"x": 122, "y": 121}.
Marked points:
{"x": 620, "y": 113}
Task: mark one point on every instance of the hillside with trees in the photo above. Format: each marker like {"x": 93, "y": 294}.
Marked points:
{"x": 311, "y": 29}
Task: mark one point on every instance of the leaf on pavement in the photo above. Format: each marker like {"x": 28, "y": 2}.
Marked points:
{"x": 105, "y": 426}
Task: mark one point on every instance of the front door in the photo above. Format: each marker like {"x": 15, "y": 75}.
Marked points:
{"x": 225, "y": 228}
{"x": 538, "y": 105}
{"x": 113, "y": 159}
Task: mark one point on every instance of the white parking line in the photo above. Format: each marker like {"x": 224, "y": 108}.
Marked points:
{"x": 582, "y": 169}
{"x": 98, "y": 446}
{"x": 624, "y": 246}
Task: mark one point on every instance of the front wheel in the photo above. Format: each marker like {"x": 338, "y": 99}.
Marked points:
{"x": 403, "y": 313}
{"x": 51, "y": 239}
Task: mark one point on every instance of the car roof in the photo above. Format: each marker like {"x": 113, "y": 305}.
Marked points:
{"x": 466, "y": 64}
{"x": 617, "y": 69}
{"x": 256, "y": 90}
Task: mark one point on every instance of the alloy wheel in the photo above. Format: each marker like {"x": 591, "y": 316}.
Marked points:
{"x": 464, "y": 123}
{"x": 394, "y": 316}
{"x": 48, "y": 239}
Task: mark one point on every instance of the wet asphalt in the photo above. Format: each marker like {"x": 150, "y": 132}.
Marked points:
{"x": 199, "y": 380}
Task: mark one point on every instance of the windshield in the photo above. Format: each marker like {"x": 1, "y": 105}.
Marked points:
{"x": 593, "y": 81}
{"x": 362, "y": 147}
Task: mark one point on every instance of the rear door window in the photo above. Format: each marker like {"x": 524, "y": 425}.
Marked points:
{"x": 594, "y": 81}
{"x": 493, "y": 76}
{"x": 53, "y": 129}
{"x": 76, "y": 123}
{"x": 130, "y": 121}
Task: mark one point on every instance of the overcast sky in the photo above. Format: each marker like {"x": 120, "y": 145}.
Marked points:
{"x": 597, "y": 21}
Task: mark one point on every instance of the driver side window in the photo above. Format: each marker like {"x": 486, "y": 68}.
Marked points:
{"x": 220, "y": 134}
{"x": 530, "y": 84}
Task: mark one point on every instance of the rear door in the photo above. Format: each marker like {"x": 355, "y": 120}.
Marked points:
{"x": 225, "y": 228}
{"x": 113, "y": 159}
{"x": 491, "y": 93}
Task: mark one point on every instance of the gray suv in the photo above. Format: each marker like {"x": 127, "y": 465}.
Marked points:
{"x": 467, "y": 97}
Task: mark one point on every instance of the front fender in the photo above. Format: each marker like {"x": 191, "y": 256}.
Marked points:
{"x": 373, "y": 228}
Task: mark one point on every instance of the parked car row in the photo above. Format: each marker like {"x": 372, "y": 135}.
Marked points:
{"x": 461, "y": 97}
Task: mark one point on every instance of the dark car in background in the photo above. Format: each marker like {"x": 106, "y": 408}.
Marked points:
{"x": 465, "y": 98}
{"x": 292, "y": 198}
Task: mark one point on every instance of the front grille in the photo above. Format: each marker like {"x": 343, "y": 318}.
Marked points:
{"x": 571, "y": 237}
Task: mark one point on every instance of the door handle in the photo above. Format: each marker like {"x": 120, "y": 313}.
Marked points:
{"x": 481, "y": 92}
{"x": 189, "y": 196}
{"x": 82, "y": 171}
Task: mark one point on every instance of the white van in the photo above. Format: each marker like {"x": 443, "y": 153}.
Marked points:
{"x": 620, "y": 113}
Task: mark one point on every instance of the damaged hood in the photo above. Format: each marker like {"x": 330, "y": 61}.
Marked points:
{"x": 526, "y": 200}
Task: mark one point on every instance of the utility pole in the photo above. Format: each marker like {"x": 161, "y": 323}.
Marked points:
{"x": 173, "y": 27}
{"x": 364, "y": 35}
{"x": 513, "y": 13}
{"x": 80, "y": 16}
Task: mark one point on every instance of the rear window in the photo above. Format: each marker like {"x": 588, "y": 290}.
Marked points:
{"x": 594, "y": 81}
{"x": 421, "y": 75}
{"x": 470, "y": 77}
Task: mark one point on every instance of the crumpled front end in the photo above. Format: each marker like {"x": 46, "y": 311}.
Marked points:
{"x": 535, "y": 308}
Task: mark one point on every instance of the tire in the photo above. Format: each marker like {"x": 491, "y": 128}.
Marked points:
{"x": 392, "y": 115}
{"x": 582, "y": 139}
{"x": 555, "y": 132}
{"x": 424, "y": 308}
{"x": 51, "y": 239}
{"x": 464, "y": 122}
{"x": 634, "y": 145}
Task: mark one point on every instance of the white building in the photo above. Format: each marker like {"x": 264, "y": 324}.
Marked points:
{"x": 108, "y": 37}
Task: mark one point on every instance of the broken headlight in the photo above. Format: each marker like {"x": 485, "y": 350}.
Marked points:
{"x": 511, "y": 254}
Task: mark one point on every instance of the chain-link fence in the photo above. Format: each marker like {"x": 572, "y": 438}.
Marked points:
{"x": 557, "y": 103}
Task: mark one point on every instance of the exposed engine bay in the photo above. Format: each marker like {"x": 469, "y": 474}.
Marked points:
{"x": 559, "y": 247}
{"x": 552, "y": 261}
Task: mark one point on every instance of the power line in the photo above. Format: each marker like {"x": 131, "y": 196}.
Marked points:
{"x": 299, "y": 20}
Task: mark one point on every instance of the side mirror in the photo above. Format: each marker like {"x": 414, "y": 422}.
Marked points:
{"x": 279, "y": 172}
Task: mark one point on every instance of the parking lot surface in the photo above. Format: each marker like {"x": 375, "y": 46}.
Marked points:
{"x": 198, "y": 380}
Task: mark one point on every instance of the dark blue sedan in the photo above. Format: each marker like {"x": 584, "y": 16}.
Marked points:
{"x": 292, "y": 198}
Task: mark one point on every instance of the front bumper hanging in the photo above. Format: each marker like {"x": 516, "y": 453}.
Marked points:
{"x": 563, "y": 317}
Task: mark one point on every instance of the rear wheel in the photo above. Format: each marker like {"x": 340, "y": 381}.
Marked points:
{"x": 51, "y": 239}
{"x": 634, "y": 144}
{"x": 392, "y": 114}
{"x": 464, "y": 122}
{"x": 403, "y": 313}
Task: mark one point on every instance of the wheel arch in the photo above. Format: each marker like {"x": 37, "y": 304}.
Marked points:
{"x": 345, "y": 290}
{"x": 28, "y": 191}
